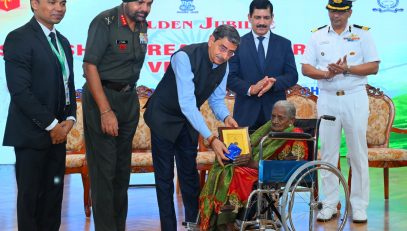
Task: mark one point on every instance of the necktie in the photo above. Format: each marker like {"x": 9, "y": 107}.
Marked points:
{"x": 260, "y": 52}
{"x": 53, "y": 40}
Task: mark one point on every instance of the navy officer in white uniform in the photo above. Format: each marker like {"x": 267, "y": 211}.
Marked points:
{"x": 341, "y": 56}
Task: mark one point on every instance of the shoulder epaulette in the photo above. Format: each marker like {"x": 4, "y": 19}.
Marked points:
{"x": 319, "y": 28}
{"x": 361, "y": 27}
{"x": 109, "y": 19}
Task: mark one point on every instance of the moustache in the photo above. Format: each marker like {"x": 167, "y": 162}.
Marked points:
{"x": 141, "y": 14}
{"x": 261, "y": 26}
{"x": 221, "y": 59}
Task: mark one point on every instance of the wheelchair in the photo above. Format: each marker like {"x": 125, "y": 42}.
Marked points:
{"x": 287, "y": 196}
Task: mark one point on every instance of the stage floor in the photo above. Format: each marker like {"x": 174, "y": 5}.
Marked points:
{"x": 143, "y": 210}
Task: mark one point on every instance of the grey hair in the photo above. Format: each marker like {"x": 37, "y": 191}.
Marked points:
{"x": 227, "y": 31}
{"x": 289, "y": 107}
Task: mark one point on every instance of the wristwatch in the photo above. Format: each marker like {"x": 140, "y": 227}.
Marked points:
{"x": 347, "y": 70}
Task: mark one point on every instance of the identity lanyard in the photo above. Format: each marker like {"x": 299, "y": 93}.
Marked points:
{"x": 62, "y": 59}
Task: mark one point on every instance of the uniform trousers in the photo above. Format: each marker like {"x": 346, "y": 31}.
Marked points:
{"x": 352, "y": 112}
{"x": 185, "y": 151}
{"x": 109, "y": 158}
{"x": 40, "y": 183}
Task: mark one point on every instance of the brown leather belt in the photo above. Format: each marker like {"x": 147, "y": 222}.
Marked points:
{"x": 120, "y": 87}
{"x": 340, "y": 93}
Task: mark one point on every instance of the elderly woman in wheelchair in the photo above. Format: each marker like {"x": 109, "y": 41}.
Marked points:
{"x": 227, "y": 188}
{"x": 287, "y": 194}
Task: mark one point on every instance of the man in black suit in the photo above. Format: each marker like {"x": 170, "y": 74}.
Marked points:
{"x": 42, "y": 111}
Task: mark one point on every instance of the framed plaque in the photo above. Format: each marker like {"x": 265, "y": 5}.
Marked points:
{"x": 238, "y": 136}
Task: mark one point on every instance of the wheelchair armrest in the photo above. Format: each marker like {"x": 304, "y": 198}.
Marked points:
{"x": 290, "y": 135}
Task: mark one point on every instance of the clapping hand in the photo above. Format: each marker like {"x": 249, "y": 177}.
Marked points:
{"x": 262, "y": 86}
{"x": 268, "y": 83}
{"x": 339, "y": 67}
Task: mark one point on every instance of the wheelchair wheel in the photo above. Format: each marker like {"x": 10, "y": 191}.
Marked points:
{"x": 301, "y": 201}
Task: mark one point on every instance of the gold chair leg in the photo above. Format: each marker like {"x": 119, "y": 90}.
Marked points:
{"x": 86, "y": 190}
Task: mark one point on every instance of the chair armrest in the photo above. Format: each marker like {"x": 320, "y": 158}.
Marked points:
{"x": 399, "y": 130}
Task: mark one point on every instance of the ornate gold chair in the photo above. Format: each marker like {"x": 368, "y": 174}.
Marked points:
{"x": 141, "y": 159}
{"x": 304, "y": 101}
{"x": 380, "y": 125}
{"x": 75, "y": 156}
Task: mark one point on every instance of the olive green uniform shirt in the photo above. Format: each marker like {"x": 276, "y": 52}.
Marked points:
{"x": 117, "y": 51}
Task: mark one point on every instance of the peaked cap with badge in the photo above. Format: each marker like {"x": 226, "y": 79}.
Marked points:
{"x": 339, "y": 5}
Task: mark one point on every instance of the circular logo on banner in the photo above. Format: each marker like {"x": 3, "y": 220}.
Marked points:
{"x": 388, "y": 4}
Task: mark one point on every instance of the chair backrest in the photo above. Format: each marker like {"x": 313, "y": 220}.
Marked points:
{"x": 142, "y": 138}
{"x": 210, "y": 119}
{"x": 75, "y": 139}
{"x": 304, "y": 101}
{"x": 381, "y": 118}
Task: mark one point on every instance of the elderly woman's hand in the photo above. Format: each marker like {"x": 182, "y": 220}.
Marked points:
{"x": 241, "y": 160}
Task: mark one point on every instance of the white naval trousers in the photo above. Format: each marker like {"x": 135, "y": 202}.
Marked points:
{"x": 352, "y": 112}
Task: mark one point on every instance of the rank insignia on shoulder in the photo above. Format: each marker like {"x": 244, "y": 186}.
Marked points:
{"x": 319, "y": 28}
{"x": 361, "y": 27}
{"x": 109, "y": 20}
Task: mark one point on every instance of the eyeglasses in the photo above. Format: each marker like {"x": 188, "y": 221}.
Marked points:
{"x": 224, "y": 49}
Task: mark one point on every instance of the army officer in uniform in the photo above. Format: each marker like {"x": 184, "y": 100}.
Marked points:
{"x": 115, "y": 52}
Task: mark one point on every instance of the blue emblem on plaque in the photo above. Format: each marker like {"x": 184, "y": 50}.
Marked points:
{"x": 187, "y": 6}
{"x": 388, "y": 6}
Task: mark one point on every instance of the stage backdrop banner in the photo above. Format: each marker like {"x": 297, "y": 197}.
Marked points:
{"x": 174, "y": 23}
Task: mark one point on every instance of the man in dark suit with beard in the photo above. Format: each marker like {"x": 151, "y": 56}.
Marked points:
{"x": 38, "y": 61}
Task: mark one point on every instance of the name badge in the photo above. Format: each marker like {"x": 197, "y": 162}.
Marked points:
{"x": 122, "y": 44}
